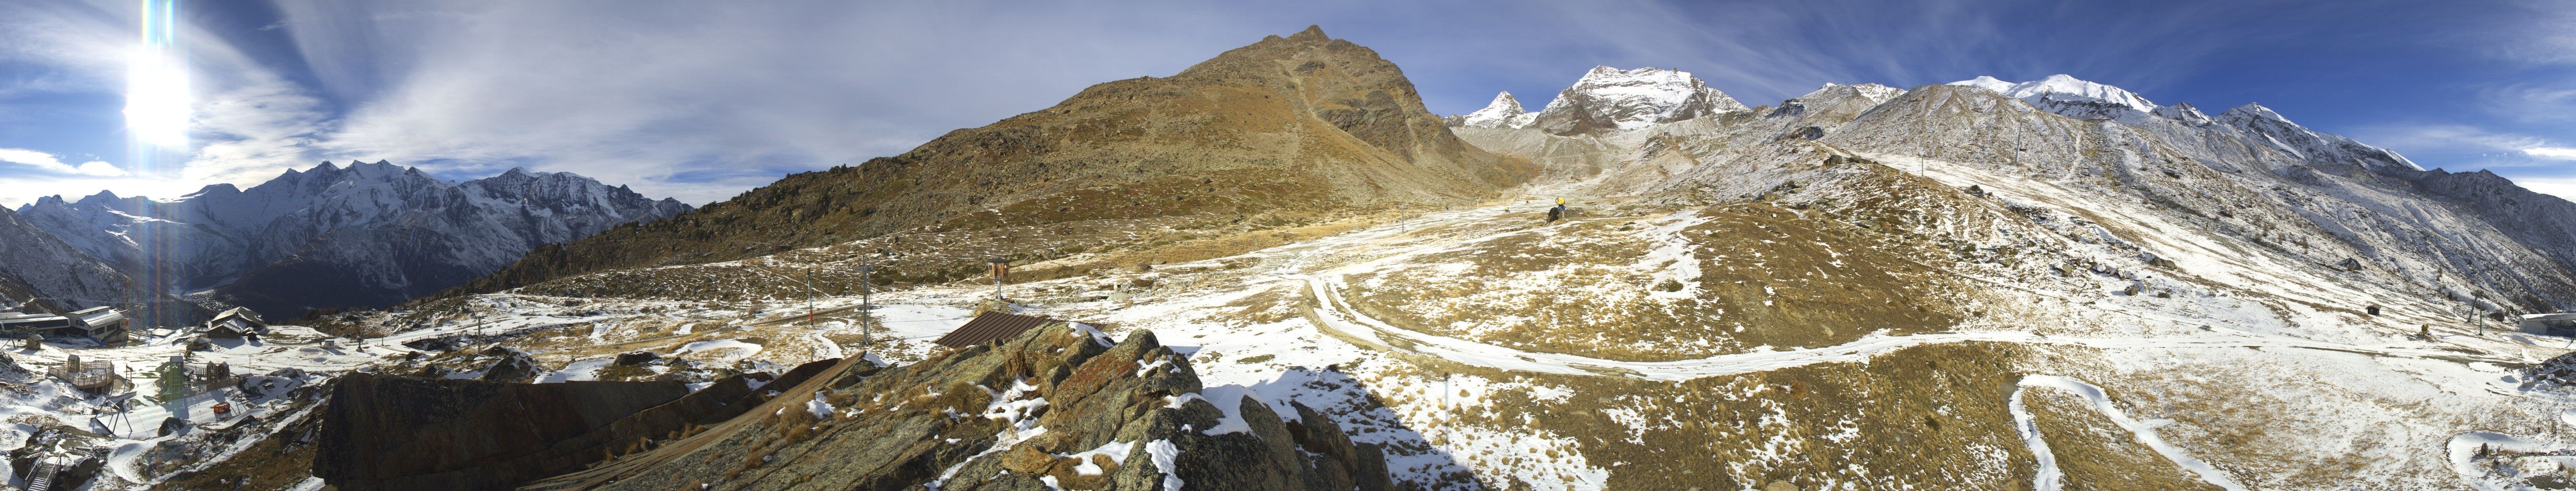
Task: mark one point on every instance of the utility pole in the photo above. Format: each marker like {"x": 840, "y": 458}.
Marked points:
{"x": 866, "y": 310}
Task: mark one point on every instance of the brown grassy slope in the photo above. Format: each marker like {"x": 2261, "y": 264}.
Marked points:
{"x": 1301, "y": 122}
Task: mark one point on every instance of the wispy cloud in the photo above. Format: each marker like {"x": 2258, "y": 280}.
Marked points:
{"x": 2449, "y": 137}
{"x": 2534, "y": 32}
{"x": 47, "y": 162}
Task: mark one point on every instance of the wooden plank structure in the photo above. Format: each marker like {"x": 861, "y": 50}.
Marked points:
{"x": 991, "y": 326}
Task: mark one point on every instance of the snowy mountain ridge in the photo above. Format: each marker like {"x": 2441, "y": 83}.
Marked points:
{"x": 387, "y": 232}
{"x": 1875, "y": 93}
{"x": 2072, "y": 97}
{"x": 1611, "y": 99}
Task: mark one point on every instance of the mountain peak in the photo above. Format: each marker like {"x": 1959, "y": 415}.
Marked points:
{"x": 1607, "y": 98}
{"x": 2252, "y": 110}
{"x": 2072, "y": 97}
{"x": 1874, "y": 92}
{"x": 221, "y": 188}
{"x": 1312, "y": 32}
{"x": 2184, "y": 112}
{"x": 1504, "y": 112}
{"x": 2066, "y": 87}
{"x": 103, "y": 196}
{"x": 1987, "y": 82}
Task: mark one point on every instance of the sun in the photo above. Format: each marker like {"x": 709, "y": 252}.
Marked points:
{"x": 156, "y": 81}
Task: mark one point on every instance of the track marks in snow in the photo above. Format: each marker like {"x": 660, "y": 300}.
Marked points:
{"x": 2048, "y": 478}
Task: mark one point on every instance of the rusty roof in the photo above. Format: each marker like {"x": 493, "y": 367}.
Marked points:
{"x": 991, "y": 326}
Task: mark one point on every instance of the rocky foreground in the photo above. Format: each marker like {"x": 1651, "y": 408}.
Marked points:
{"x": 1059, "y": 407}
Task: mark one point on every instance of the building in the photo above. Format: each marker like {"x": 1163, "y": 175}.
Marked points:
{"x": 991, "y": 326}
{"x": 105, "y": 324}
{"x": 2561, "y": 324}
{"x": 29, "y": 322}
{"x": 235, "y": 323}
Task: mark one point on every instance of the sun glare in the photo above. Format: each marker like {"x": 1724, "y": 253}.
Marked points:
{"x": 156, "y": 84}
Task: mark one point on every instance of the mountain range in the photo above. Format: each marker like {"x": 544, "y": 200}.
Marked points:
{"x": 361, "y": 235}
{"x": 2249, "y": 171}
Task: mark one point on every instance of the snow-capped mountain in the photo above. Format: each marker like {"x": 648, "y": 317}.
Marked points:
{"x": 2072, "y": 97}
{"x": 1504, "y": 112}
{"x": 1608, "y": 99}
{"x": 33, "y": 265}
{"x": 333, "y": 236}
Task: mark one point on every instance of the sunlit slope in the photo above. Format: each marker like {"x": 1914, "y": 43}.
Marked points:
{"x": 1300, "y": 123}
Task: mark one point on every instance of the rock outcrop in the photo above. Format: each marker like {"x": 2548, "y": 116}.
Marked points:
{"x": 399, "y": 433}
{"x": 1059, "y": 407}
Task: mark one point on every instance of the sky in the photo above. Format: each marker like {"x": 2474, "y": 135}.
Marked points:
{"x": 704, "y": 100}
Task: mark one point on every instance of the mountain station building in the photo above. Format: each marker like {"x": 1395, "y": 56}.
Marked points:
{"x": 105, "y": 324}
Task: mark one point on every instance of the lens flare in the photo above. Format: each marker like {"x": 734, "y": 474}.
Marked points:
{"x": 156, "y": 80}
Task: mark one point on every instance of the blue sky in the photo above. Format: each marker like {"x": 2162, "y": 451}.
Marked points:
{"x": 702, "y": 100}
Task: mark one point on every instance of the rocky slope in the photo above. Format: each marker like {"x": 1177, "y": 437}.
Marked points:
{"x": 1303, "y": 122}
{"x": 333, "y": 236}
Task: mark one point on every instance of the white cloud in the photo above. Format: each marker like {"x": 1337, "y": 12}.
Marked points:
{"x": 2560, "y": 187}
{"x": 2560, "y": 153}
{"x": 2452, "y": 138}
{"x": 49, "y": 163}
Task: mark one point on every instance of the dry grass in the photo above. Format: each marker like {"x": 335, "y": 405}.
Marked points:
{"x": 2096, "y": 454}
{"x": 1929, "y": 417}
{"x": 1766, "y": 277}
